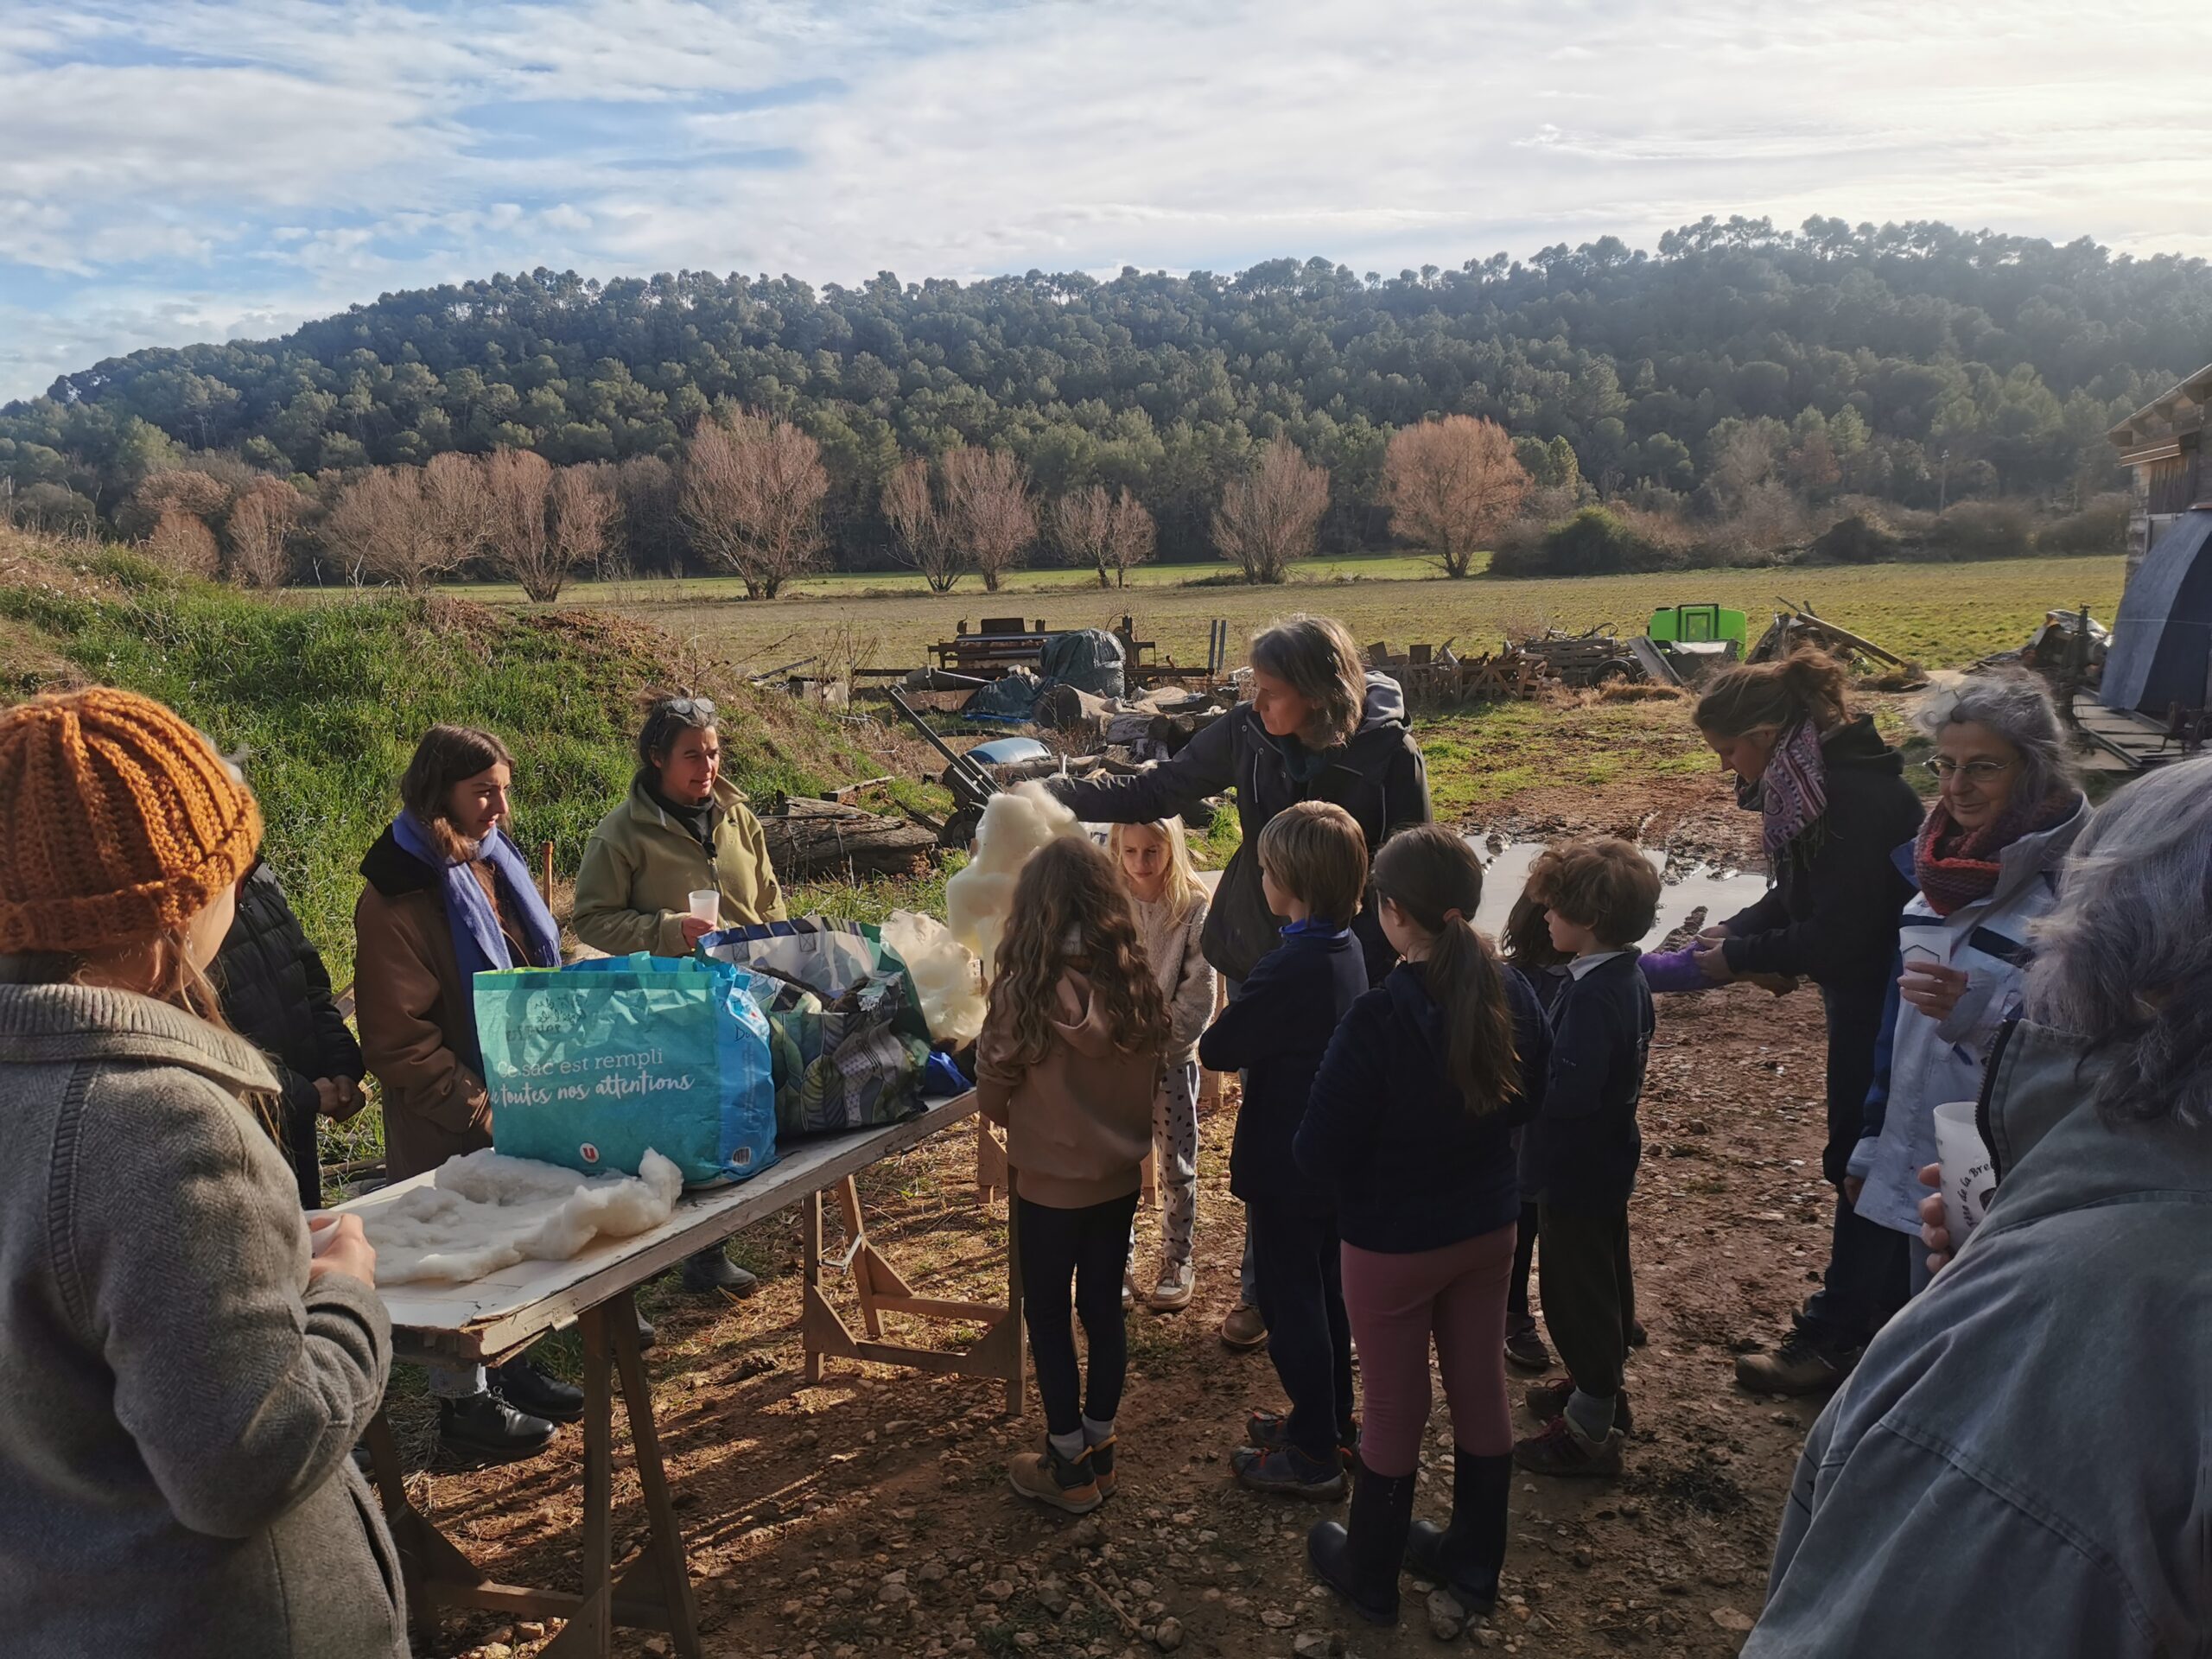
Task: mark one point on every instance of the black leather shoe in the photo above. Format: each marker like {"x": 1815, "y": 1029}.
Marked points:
{"x": 712, "y": 1269}
{"x": 484, "y": 1428}
{"x": 538, "y": 1392}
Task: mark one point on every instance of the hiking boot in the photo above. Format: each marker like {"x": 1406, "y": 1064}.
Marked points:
{"x": 1638, "y": 1336}
{"x": 1268, "y": 1430}
{"x": 712, "y": 1269}
{"x": 483, "y": 1428}
{"x": 1563, "y": 1449}
{"x": 1243, "y": 1330}
{"x": 1525, "y": 1350}
{"x": 1467, "y": 1556}
{"x": 1287, "y": 1470}
{"x": 1063, "y": 1482}
{"x": 1173, "y": 1290}
{"x": 1360, "y": 1562}
{"x": 1101, "y": 1465}
{"x": 1547, "y": 1402}
{"x": 536, "y": 1392}
{"x": 646, "y": 1335}
{"x": 1801, "y": 1365}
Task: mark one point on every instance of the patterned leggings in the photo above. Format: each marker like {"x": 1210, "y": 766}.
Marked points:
{"x": 1175, "y": 1161}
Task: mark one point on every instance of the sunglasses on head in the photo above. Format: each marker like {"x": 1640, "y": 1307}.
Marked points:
{"x": 690, "y": 707}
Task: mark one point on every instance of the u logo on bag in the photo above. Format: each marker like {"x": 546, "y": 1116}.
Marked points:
{"x": 588, "y": 1153}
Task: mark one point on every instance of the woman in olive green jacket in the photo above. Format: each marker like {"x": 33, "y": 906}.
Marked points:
{"x": 683, "y": 828}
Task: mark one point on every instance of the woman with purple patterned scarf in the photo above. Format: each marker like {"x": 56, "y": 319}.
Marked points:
{"x": 1833, "y": 808}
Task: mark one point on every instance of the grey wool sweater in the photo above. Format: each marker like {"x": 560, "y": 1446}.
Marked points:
{"x": 177, "y": 1403}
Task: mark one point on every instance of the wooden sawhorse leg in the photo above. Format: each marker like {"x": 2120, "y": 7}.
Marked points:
{"x": 654, "y": 1594}
{"x": 879, "y": 1288}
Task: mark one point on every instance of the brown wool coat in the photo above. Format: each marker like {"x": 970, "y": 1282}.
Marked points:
{"x": 416, "y": 1017}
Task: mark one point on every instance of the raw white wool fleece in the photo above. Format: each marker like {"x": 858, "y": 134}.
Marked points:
{"x": 944, "y": 973}
{"x": 1016, "y": 822}
{"x": 485, "y": 1211}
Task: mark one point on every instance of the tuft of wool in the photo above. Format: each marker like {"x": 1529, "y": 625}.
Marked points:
{"x": 944, "y": 972}
{"x": 1016, "y": 824}
{"x": 484, "y": 1211}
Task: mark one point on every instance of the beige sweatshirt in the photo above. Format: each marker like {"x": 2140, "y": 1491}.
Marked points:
{"x": 1079, "y": 1122}
{"x": 1185, "y": 977}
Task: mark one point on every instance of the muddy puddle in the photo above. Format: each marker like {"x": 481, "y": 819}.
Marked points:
{"x": 1688, "y": 885}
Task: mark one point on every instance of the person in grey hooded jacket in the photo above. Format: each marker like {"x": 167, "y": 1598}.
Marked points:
{"x": 2019, "y": 1463}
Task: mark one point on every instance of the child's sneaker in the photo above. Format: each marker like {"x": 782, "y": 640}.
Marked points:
{"x": 1285, "y": 1469}
{"x": 1268, "y": 1430}
{"x": 1100, "y": 1453}
{"x": 1525, "y": 1350}
{"x": 1547, "y": 1402}
{"x": 1563, "y": 1449}
{"x": 1173, "y": 1290}
{"x": 1064, "y": 1482}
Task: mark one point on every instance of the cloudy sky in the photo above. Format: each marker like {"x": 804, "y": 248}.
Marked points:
{"x": 189, "y": 169}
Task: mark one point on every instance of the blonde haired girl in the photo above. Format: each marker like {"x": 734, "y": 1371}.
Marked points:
{"x": 1155, "y": 861}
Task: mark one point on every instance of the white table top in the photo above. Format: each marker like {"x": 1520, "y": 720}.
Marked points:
{"x": 491, "y": 1317}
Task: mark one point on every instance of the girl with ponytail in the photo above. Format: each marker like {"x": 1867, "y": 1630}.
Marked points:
{"x": 1410, "y": 1124}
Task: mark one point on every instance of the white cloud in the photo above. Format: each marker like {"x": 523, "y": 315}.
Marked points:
{"x": 261, "y": 148}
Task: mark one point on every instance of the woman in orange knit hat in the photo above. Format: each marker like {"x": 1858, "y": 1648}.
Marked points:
{"x": 186, "y": 1368}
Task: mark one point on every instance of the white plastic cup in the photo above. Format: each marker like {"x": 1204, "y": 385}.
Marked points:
{"x": 322, "y": 1232}
{"x": 1969, "y": 1171}
{"x": 707, "y": 905}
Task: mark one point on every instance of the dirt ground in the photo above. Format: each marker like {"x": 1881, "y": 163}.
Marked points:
{"x": 872, "y": 1515}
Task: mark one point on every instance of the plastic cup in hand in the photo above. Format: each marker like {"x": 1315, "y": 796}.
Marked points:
{"x": 707, "y": 905}
{"x": 322, "y": 1230}
{"x": 1969, "y": 1172}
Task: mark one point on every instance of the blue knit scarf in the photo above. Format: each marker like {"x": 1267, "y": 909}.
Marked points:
{"x": 479, "y": 943}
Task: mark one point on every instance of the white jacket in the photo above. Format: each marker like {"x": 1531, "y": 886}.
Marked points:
{"x": 1186, "y": 978}
{"x": 1932, "y": 1061}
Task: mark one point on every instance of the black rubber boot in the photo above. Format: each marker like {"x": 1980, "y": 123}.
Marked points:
{"x": 1467, "y": 1556}
{"x": 1361, "y": 1564}
{"x": 710, "y": 1269}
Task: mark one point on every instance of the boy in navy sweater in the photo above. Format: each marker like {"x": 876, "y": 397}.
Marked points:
{"x": 1312, "y": 870}
{"x": 1580, "y": 1157}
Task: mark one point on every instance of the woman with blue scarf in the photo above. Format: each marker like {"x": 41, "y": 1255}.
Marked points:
{"x": 449, "y": 897}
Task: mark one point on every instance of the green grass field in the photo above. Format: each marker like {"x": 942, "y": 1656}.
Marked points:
{"x": 1941, "y": 614}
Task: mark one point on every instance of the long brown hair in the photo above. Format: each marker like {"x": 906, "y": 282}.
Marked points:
{"x": 1071, "y": 912}
{"x": 1433, "y": 875}
{"x": 1804, "y": 685}
{"x": 446, "y": 755}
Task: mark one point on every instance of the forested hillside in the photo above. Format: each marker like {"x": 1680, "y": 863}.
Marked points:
{"x": 1904, "y": 362}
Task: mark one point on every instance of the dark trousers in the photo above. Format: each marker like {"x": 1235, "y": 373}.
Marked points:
{"x": 1589, "y": 1299}
{"x": 305, "y": 1156}
{"x": 1518, "y": 1316}
{"x": 1868, "y": 1271}
{"x": 1309, "y": 1334}
{"x": 1087, "y": 1250}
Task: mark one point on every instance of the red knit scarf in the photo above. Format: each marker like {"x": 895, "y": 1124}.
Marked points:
{"x": 1957, "y": 868}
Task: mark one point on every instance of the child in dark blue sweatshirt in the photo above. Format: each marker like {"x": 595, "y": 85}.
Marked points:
{"x": 1313, "y": 870}
{"x": 1410, "y": 1124}
{"x": 1582, "y": 1149}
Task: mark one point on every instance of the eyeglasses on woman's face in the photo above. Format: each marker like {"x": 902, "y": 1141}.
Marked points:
{"x": 1944, "y": 768}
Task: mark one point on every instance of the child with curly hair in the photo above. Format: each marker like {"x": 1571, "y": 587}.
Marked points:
{"x": 1067, "y": 1060}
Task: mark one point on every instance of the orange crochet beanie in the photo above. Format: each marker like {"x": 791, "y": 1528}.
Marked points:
{"x": 117, "y": 821}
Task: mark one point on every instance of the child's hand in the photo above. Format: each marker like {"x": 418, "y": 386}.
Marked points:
{"x": 1711, "y": 958}
{"x": 1934, "y": 1231}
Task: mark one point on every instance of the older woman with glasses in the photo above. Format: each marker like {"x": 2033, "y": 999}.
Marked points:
{"x": 685, "y": 828}
{"x": 1987, "y": 863}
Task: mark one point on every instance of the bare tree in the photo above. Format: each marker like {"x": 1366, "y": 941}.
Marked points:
{"x": 988, "y": 508}
{"x": 258, "y": 531}
{"x": 1450, "y": 485}
{"x": 180, "y": 489}
{"x": 922, "y": 536}
{"x": 182, "y": 541}
{"x": 584, "y": 515}
{"x": 392, "y": 525}
{"x": 751, "y": 495}
{"x": 652, "y": 531}
{"x": 1108, "y": 532}
{"x": 457, "y": 496}
{"x": 1267, "y": 520}
{"x": 518, "y": 490}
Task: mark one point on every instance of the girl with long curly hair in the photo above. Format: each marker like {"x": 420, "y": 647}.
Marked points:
{"x": 1069, "y": 1053}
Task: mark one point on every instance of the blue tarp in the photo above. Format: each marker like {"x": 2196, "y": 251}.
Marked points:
{"x": 2161, "y": 651}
